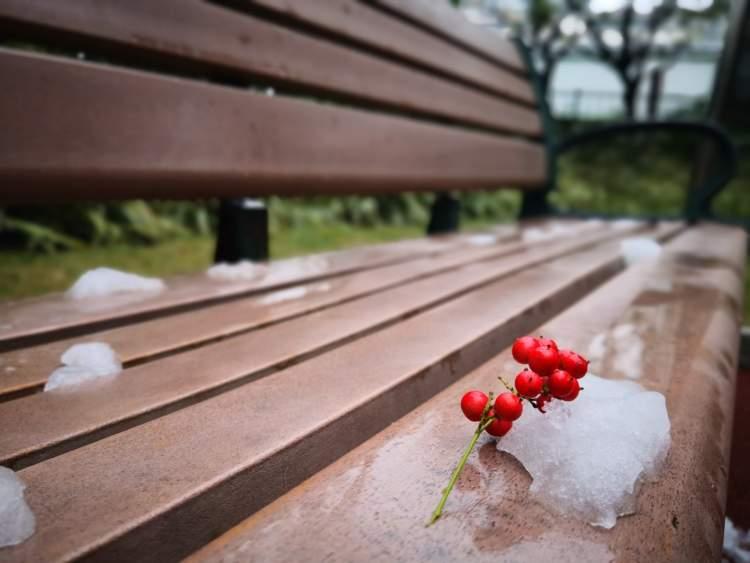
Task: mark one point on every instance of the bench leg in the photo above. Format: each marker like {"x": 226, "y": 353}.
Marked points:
{"x": 535, "y": 204}
{"x": 445, "y": 216}
{"x": 243, "y": 231}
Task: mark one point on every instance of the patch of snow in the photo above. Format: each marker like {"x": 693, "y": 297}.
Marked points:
{"x": 10, "y": 369}
{"x": 103, "y": 282}
{"x": 84, "y": 362}
{"x": 17, "y": 522}
{"x": 588, "y": 458}
{"x": 482, "y": 239}
{"x": 622, "y": 224}
{"x": 293, "y": 293}
{"x": 638, "y": 249}
{"x": 239, "y": 271}
{"x": 736, "y": 546}
{"x": 550, "y": 231}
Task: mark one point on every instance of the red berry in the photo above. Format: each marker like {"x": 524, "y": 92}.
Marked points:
{"x": 574, "y": 390}
{"x": 575, "y": 364}
{"x": 529, "y": 383}
{"x": 521, "y": 348}
{"x": 473, "y": 403}
{"x": 541, "y": 341}
{"x": 544, "y": 359}
{"x": 499, "y": 427}
{"x": 560, "y": 383}
{"x": 508, "y": 406}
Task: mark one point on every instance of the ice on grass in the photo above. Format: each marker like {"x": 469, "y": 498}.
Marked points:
{"x": 239, "y": 271}
{"x": 588, "y": 458}
{"x": 736, "y": 546}
{"x": 638, "y": 249}
{"x": 103, "y": 282}
{"x": 84, "y": 362}
{"x": 17, "y": 522}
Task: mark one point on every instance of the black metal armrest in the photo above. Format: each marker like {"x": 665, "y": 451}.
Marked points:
{"x": 699, "y": 200}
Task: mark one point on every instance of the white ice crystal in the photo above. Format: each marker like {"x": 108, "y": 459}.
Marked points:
{"x": 736, "y": 545}
{"x": 638, "y": 249}
{"x": 239, "y": 271}
{"x": 482, "y": 239}
{"x": 587, "y": 458}
{"x": 103, "y": 282}
{"x": 17, "y": 522}
{"x": 84, "y": 362}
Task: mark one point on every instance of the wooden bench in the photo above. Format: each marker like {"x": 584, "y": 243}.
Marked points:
{"x": 234, "y": 393}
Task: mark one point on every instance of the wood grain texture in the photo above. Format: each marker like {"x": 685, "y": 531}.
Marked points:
{"x": 371, "y": 505}
{"x": 364, "y": 25}
{"x": 212, "y": 40}
{"x": 258, "y": 440}
{"x": 57, "y": 422}
{"x": 448, "y": 22}
{"x": 82, "y": 131}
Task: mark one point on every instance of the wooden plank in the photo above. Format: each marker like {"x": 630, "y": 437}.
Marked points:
{"x": 193, "y": 473}
{"x": 57, "y": 422}
{"x": 210, "y": 38}
{"x": 25, "y": 370}
{"x": 43, "y": 319}
{"x": 362, "y": 508}
{"x": 368, "y": 27}
{"x": 447, "y": 22}
{"x": 170, "y": 138}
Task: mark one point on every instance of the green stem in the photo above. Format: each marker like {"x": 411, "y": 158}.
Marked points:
{"x": 457, "y": 471}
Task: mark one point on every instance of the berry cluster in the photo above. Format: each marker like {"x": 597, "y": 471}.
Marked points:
{"x": 551, "y": 373}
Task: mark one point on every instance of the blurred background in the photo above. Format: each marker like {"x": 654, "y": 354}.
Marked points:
{"x": 598, "y": 61}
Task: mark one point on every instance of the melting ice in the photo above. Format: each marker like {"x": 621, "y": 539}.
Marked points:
{"x": 102, "y": 282}
{"x": 239, "y": 271}
{"x": 588, "y": 458}
{"x": 84, "y": 362}
{"x": 17, "y": 522}
{"x": 638, "y": 249}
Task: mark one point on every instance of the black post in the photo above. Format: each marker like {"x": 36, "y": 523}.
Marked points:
{"x": 445, "y": 216}
{"x": 243, "y": 231}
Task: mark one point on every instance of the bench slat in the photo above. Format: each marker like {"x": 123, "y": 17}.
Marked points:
{"x": 26, "y": 369}
{"x": 51, "y": 317}
{"x": 373, "y": 29}
{"x": 119, "y": 134}
{"x": 210, "y": 38}
{"x": 260, "y": 439}
{"x": 449, "y": 23}
{"x": 56, "y": 422}
{"x": 371, "y": 505}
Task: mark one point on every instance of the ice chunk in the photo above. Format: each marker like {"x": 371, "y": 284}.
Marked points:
{"x": 84, "y": 362}
{"x": 102, "y": 282}
{"x": 587, "y": 458}
{"x": 736, "y": 545}
{"x": 622, "y": 224}
{"x": 638, "y": 249}
{"x": 239, "y": 271}
{"x": 482, "y": 239}
{"x": 17, "y": 522}
{"x": 549, "y": 231}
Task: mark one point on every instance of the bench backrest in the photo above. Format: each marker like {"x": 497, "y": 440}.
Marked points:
{"x": 185, "y": 98}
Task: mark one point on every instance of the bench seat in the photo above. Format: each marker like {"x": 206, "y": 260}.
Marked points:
{"x": 371, "y": 505}
{"x": 188, "y": 441}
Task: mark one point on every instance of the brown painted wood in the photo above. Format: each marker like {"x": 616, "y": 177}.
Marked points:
{"x": 57, "y": 422}
{"x": 112, "y": 134}
{"x": 258, "y": 440}
{"x": 211, "y": 39}
{"x": 371, "y": 505}
{"x": 369, "y": 27}
{"x": 43, "y": 319}
{"x": 448, "y": 22}
{"x": 25, "y": 370}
